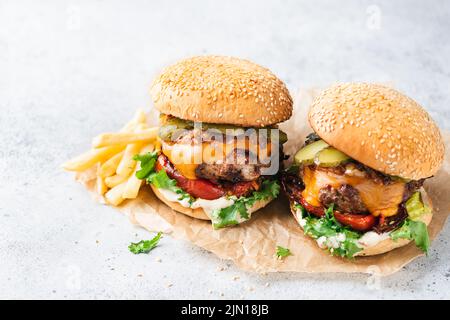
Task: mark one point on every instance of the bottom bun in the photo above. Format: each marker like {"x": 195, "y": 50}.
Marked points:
{"x": 199, "y": 213}
{"x": 389, "y": 244}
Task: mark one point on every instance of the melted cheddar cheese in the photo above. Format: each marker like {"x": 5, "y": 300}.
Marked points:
{"x": 379, "y": 199}
{"x": 187, "y": 157}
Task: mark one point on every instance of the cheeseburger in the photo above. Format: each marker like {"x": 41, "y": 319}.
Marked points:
{"x": 220, "y": 145}
{"x": 356, "y": 185}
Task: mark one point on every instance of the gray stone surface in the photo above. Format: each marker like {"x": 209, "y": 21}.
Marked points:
{"x": 70, "y": 70}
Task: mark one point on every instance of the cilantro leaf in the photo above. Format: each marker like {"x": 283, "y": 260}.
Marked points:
{"x": 148, "y": 161}
{"x": 238, "y": 212}
{"x": 413, "y": 230}
{"x": 283, "y": 252}
{"x": 145, "y": 246}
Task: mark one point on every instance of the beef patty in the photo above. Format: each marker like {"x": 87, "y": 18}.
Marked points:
{"x": 345, "y": 199}
{"x": 237, "y": 167}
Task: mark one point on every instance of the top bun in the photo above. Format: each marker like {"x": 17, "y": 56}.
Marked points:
{"x": 217, "y": 89}
{"x": 379, "y": 127}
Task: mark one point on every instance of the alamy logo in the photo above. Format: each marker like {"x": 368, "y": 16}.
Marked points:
{"x": 241, "y": 146}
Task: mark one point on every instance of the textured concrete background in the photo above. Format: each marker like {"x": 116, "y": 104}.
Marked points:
{"x": 72, "y": 69}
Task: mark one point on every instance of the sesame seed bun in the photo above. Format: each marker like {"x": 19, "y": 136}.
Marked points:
{"x": 379, "y": 127}
{"x": 199, "y": 213}
{"x": 218, "y": 89}
{"x": 385, "y": 245}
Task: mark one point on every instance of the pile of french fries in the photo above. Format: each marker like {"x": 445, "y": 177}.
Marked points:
{"x": 113, "y": 154}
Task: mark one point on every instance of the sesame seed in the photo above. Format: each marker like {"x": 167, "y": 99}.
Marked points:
{"x": 222, "y": 80}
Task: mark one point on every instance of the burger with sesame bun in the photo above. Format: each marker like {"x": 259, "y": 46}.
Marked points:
{"x": 356, "y": 185}
{"x": 220, "y": 145}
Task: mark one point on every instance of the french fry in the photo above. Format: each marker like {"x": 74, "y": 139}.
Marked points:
{"x": 115, "y": 180}
{"x": 127, "y": 164}
{"x": 88, "y": 159}
{"x": 139, "y": 118}
{"x": 109, "y": 167}
{"x": 101, "y": 186}
{"x": 114, "y": 195}
{"x": 133, "y": 184}
{"x": 108, "y": 139}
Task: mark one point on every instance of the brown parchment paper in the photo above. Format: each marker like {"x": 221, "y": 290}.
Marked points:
{"x": 251, "y": 245}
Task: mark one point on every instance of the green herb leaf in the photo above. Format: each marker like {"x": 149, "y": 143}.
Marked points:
{"x": 237, "y": 212}
{"x": 145, "y": 246}
{"x": 328, "y": 227}
{"x": 283, "y": 252}
{"x": 413, "y": 230}
{"x": 147, "y": 161}
{"x": 161, "y": 180}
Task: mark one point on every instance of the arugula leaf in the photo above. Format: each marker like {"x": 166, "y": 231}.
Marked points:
{"x": 328, "y": 227}
{"x": 413, "y": 230}
{"x": 237, "y": 212}
{"x": 148, "y": 161}
{"x": 283, "y": 252}
{"x": 145, "y": 246}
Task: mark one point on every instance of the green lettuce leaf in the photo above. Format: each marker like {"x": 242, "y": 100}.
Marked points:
{"x": 145, "y": 246}
{"x": 231, "y": 215}
{"x": 413, "y": 230}
{"x": 159, "y": 179}
{"x": 327, "y": 226}
{"x": 147, "y": 161}
{"x": 283, "y": 252}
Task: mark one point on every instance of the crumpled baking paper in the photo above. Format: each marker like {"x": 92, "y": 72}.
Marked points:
{"x": 252, "y": 245}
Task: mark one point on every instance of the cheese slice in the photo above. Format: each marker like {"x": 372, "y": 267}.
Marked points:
{"x": 379, "y": 199}
{"x": 187, "y": 157}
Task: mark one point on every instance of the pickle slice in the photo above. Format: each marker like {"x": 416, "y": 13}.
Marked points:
{"x": 305, "y": 156}
{"x": 330, "y": 157}
{"x": 170, "y": 125}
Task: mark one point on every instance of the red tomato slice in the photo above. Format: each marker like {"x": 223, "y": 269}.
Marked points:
{"x": 242, "y": 188}
{"x": 356, "y": 221}
{"x": 317, "y": 211}
{"x": 198, "y": 188}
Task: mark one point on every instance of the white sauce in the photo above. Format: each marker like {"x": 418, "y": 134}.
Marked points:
{"x": 371, "y": 238}
{"x": 321, "y": 242}
{"x": 207, "y": 205}
{"x": 210, "y": 205}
